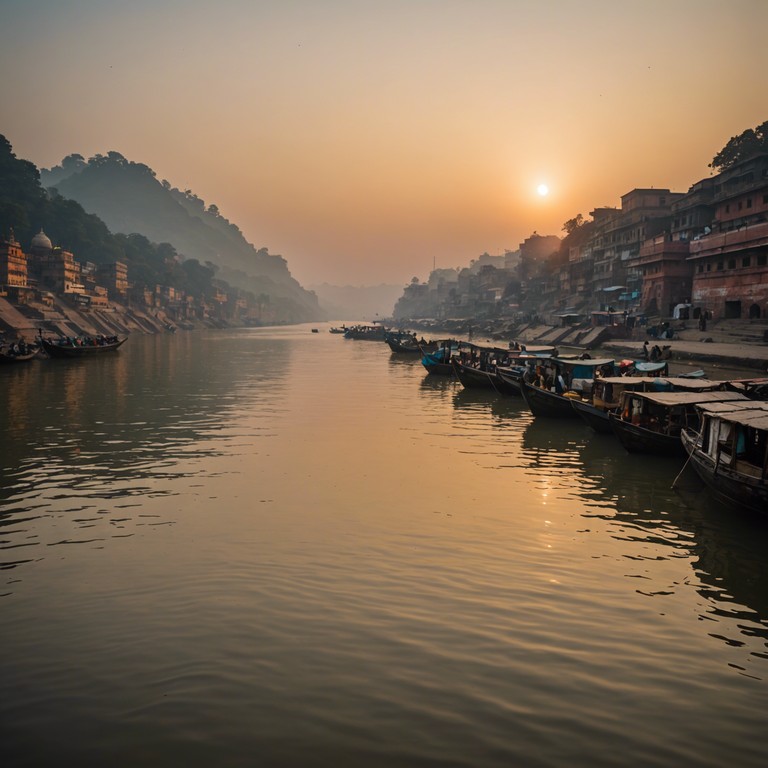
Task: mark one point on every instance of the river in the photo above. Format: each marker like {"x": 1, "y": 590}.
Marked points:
{"x": 283, "y": 548}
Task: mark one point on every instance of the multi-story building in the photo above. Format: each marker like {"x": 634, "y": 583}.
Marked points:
{"x": 114, "y": 277}
{"x": 13, "y": 263}
{"x": 730, "y": 261}
{"x": 618, "y": 236}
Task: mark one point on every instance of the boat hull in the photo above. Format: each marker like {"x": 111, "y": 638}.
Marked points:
{"x": 508, "y": 384}
{"x": 637, "y": 439}
{"x": 13, "y": 359}
{"x": 55, "y": 350}
{"x": 473, "y": 378}
{"x": 547, "y": 404}
{"x": 594, "y": 417}
{"x": 734, "y": 487}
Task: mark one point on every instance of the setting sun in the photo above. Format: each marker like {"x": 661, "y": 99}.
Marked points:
{"x": 542, "y": 189}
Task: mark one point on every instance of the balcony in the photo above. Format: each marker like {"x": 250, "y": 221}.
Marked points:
{"x": 753, "y": 236}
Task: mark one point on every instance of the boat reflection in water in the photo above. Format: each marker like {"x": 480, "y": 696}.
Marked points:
{"x": 634, "y": 496}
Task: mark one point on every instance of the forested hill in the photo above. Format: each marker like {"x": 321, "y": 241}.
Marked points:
{"x": 128, "y": 197}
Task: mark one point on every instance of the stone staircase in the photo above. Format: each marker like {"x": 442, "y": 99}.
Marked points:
{"x": 725, "y": 331}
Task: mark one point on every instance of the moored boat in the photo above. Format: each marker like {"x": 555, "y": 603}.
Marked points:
{"x": 438, "y": 361}
{"x": 607, "y": 393}
{"x": 729, "y": 451}
{"x": 366, "y": 333}
{"x": 81, "y": 346}
{"x": 475, "y": 365}
{"x": 651, "y": 422}
{"x": 551, "y": 388}
{"x": 18, "y": 352}
{"x": 405, "y": 343}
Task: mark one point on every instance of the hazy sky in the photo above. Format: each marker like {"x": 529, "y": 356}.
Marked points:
{"x": 364, "y": 140}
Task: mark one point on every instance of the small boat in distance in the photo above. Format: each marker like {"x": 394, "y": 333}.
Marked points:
{"x": 17, "y": 352}
{"x": 342, "y": 329}
{"x": 81, "y": 346}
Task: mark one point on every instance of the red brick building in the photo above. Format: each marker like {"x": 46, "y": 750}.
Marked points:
{"x": 730, "y": 262}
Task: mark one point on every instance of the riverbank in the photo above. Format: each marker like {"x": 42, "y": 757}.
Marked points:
{"x": 733, "y": 344}
{"x": 64, "y": 319}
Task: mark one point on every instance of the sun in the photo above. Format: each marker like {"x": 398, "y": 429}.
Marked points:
{"x": 543, "y": 190}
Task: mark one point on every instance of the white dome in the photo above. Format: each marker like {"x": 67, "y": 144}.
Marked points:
{"x": 41, "y": 241}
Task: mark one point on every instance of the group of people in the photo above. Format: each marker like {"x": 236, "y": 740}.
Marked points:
{"x": 86, "y": 341}
{"x": 654, "y": 354}
{"x": 15, "y": 348}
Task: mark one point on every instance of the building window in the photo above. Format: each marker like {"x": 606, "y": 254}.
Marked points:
{"x": 765, "y": 199}
{"x": 761, "y": 259}
{"x": 749, "y": 202}
{"x": 728, "y": 208}
{"x": 719, "y": 266}
{"x": 745, "y": 261}
{"x": 701, "y": 268}
{"x": 740, "y": 205}
{"x": 731, "y": 263}
{"x": 709, "y": 267}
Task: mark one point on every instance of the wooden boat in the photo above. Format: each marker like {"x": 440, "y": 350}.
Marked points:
{"x": 8, "y": 357}
{"x": 475, "y": 365}
{"x": 342, "y": 329}
{"x": 509, "y": 377}
{"x": 366, "y": 333}
{"x": 438, "y": 362}
{"x": 729, "y": 452}
{"x": 651, "y": 422}
{"x": 607, "y": 393}
{"x": 81, "y": 346}
{"x": 560, "y": 381}
{"x": 408, "y": 344}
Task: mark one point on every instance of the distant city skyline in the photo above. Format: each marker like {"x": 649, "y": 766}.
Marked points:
{"x": 366, "y": 142}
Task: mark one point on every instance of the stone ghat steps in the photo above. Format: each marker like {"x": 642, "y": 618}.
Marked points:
{"x": 727, "y": 331}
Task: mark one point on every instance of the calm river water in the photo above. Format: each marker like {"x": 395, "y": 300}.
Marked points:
{"x": 272, "y": 547}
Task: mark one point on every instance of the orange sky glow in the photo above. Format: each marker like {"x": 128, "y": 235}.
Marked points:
{"x": 362, "y": 140}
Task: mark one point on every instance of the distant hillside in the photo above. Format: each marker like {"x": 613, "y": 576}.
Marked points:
{"x": 128, "y": 197}
{"x": 350, "y": 302}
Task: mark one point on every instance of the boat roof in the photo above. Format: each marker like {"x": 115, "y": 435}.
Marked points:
{"x": 642, "y": 366}
{"x": 750, "y": 413}
{"x": 687, "y": 398}
{"x": 536, "y": 349}
{"x": 588, "y": 363}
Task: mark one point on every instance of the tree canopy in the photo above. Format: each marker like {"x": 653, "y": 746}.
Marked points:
{"x": 750, "y": 142}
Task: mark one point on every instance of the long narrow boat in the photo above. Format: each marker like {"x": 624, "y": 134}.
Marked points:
{"x": 81, "y": 347}
{"x": 607, "y": 392}
{"x": 651, "y": 422}
{"x": 366, "y": 333}
{"x": 729, "y": 452}
{"x": 408, "y": 343}
{"x": 564, "y": 381}
{"x": 471, "y": 377}
{"x": 438, "y": 361}
{"x": 8, "y": 357}
{"x": 475, "y": 365}
{"x": 509, "y": 377}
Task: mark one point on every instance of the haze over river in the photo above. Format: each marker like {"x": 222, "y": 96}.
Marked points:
{"x": 272, "y": 547}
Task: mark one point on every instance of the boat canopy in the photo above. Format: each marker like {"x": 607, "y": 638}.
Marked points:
{"x": 669, "y": 399}
{"x": 649, "y": 367}
{"x": 588, "y": 363}
{"x": 666, "y": 383}
{"x": 537, "y": 349}
{"x": 748, "y": 414}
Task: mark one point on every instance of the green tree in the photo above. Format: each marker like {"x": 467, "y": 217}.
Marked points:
{"x": 750, "y": 142}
